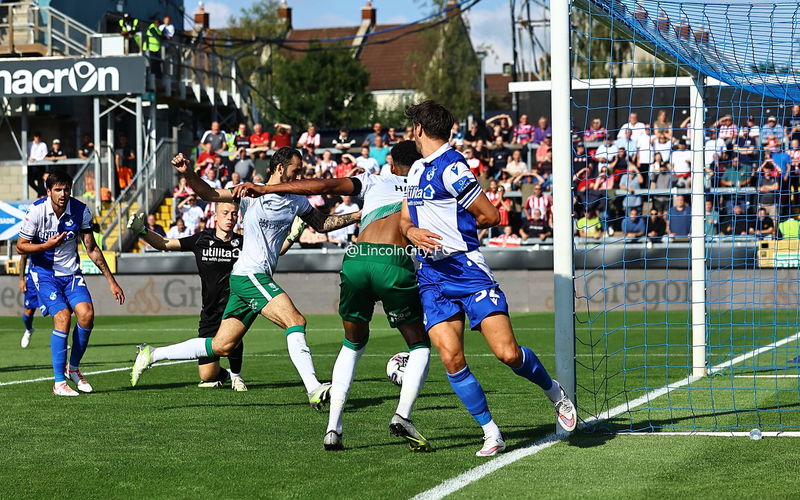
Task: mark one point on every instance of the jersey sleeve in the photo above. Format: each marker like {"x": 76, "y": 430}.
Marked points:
{"x": 188, "y": 243}
{"x": 30, "y": 224}
{"x": 460, "y": 182}
{"x": 366, "y": 180}
{"x": 86, "y": 221}
{"x": 303, "y": 206}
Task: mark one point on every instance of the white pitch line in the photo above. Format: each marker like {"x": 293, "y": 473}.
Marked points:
{"x": 470, "y": 476}
{"x": 714, "y": 434}
{"x": 766, "y": 376}
{"x": 111, "y": 370}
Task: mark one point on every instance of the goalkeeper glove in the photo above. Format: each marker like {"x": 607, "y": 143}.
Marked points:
{"x": 298, "y": 226}
{"x": 136, "y": 224}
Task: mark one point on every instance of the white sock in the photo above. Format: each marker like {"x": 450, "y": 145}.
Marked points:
{"x": 300, "y": 355}
{"x": 190, "y": 349}
{"x": 554, "y": 392}
{"x": 491, "y": 429}
{"x": 413, "y": 378}
{"x": 343, "y": 373}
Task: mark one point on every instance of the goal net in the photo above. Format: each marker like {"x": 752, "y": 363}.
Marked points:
{"x": 686, "y": 189}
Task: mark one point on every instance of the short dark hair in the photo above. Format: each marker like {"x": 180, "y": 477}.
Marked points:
{"x": 58, "y": 177}
{"x": 283, "y": 156}
{"x": 435, "y": 119}
{"x": 405, "y": 153}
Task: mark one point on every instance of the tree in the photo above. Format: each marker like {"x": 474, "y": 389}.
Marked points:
{"x": 446, "y": 69}
{"x": 325, "y": 87}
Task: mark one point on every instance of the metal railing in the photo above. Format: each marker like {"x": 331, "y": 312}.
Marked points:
{"x": 150, "y": 183}
{"x": 27, "y": 28}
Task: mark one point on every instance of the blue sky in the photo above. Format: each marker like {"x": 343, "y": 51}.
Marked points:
{"x": 490, "y": 20}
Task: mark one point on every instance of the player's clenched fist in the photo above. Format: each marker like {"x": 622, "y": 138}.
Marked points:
{"x": 181, "y": 163}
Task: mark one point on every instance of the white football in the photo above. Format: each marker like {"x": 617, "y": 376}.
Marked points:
{"x": 396, "y": 367}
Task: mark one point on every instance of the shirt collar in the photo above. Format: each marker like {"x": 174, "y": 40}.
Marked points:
{"x": 49, "y": 207}
{"x": 439, "y": 152}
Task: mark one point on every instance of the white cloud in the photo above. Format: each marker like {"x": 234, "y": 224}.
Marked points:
{"x": 492, "y": 29}
{"x": 218, "y": 14}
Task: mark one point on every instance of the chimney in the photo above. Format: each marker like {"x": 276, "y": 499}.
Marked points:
{"x": 368, "y": 14}
{"x": 285, "y": 15}
{"x": 200, "y": 17}
{"x": 454, "y": 8}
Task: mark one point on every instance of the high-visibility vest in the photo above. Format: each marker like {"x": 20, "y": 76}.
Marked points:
{"x": 152, "y": 38}
{"x": 128, "y": 27}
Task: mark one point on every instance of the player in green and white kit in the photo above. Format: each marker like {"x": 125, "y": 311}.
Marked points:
{"x": 378, "y": 267}
{"x": 266, "y": 223}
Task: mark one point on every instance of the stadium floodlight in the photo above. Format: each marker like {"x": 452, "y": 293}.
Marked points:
{"x": 695, "y": 329}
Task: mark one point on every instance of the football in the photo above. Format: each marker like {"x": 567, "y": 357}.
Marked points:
{"x": 396, "y": 367}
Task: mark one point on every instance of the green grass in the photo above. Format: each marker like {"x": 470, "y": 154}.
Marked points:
{"x": 170, "y": 439}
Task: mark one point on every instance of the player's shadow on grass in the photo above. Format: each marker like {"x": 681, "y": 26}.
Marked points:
{"x": 9, "y": 369}
{"x": 516, "y": 436}
{"x": 153, "y": 387}
{"x": 215, "y": 405}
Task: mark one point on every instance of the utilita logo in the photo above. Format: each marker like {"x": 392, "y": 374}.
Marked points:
{"x": 82, "y": 76}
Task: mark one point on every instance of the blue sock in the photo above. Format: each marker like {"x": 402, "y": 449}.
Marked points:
{"x": 27, "y": 321}
{"x": 80, "y": 340}
{"x": 533, "y": 370}
{"x": 469, "y": 390}
{"x": 58, "y": 349}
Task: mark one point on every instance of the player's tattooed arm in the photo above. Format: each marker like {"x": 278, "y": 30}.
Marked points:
{"x": 94, "y": 253}
{"x": 322, "y": 223}
{"x": 198, "y": 185}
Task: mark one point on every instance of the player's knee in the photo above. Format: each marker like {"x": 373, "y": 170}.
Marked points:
{"x": 453, "y": 361}
{"x": 223, "y": 347}
{"x": 511, "y": 356}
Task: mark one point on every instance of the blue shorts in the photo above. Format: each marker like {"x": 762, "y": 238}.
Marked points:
{"x": 31, "y": 295}
{"x": 59, "y": 292}
{"x": 459, "y": 283}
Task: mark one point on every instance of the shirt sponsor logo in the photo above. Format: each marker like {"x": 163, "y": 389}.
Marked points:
{"x": 220, "y": 254}
{"x": 461, "y": 183}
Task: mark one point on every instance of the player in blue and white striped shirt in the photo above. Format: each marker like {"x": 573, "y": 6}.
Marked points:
{"x": 442, "y": 212}
{"x": 49, "y": 235}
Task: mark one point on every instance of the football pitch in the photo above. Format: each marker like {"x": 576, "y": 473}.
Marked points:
{"x": 168, "y": 438}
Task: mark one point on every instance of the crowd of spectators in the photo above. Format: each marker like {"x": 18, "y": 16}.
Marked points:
{"x": 633, "y": 181}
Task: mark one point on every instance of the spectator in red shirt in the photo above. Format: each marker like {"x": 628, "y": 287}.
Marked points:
{"x": 474, "y": 163}
{"x": 205, "y": 159}
{"x": 541, "y": 202}
{"x": 259, "y": 139}
{"x": 346, "y": 167}
{"x": 282, "y": 137}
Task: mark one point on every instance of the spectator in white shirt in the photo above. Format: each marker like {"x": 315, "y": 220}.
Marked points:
{"x": 727, "y": 129}
{"x": 634, "y": 125}
{"x": 644, "y": 146}
{"x": 37, "y": 149}
{"x": 211, "y": 178}
{"x": 167, "y": 29}
{"x": 682, "y": 165}
{"x": 387, "y": 169}
{"x": 713, "y": 149}
{"x": 342, "y": 236}
{"x": 179, "y": 230}
{"x": 606, "y": 152}
{"x": 309, "y": 139}
{"x": 370, "y": 165}
{"x": 754, "y": 132}
{"x": 191, "y": 213}
{"x": 236, "y": 179}
{"x": 663, "y": 145}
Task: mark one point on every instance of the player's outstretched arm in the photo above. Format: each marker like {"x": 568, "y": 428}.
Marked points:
{"x": 94, "y": 253}
{"x": 306, "y": 187}
{"x": 322, "y": 223}
{"x": 137, "y": 225}
{"x": 421, "y": 238}
{"x": 198, "y": 185}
